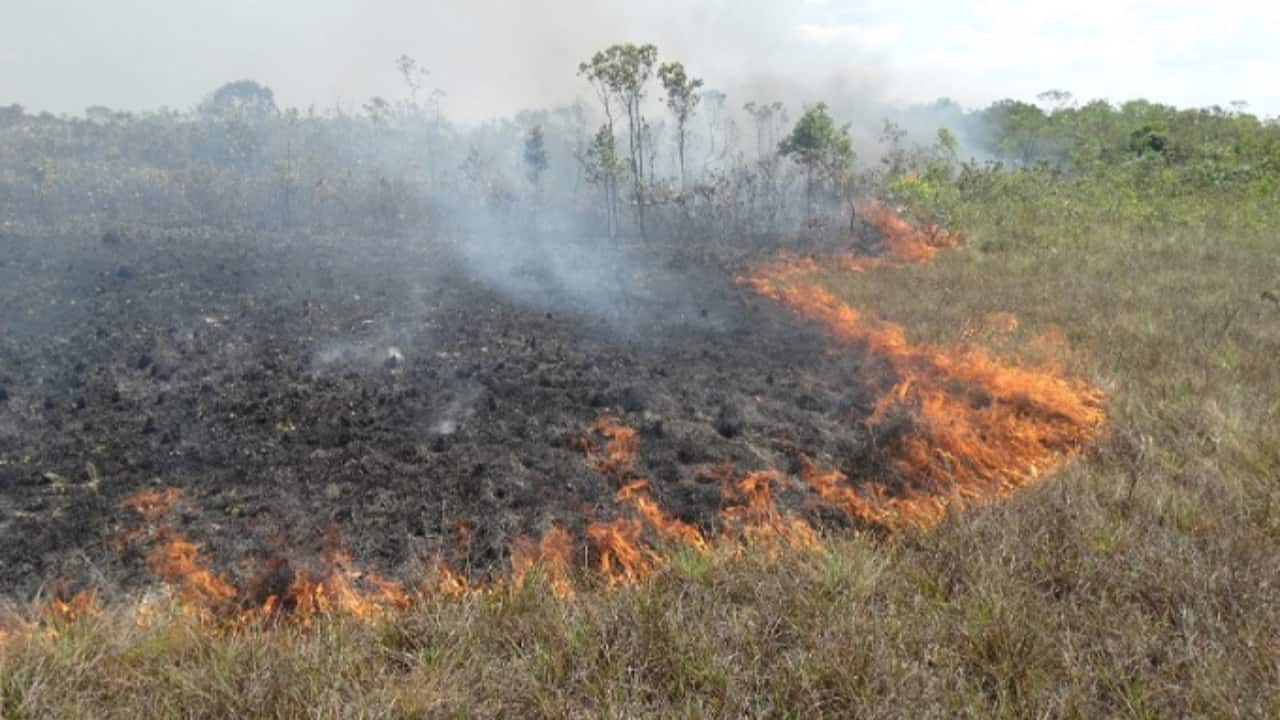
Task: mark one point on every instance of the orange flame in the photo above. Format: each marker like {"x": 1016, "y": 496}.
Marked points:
{"x": 619, "y": 454}
{"x": 758, "y": 520}
{"x": 902, "y": 242}
{"x": 982, "y": 426}
{"x": 339, "y": 590}
{"x": 979, "y": 427}
{"x": 636, "y": 494}
{"x": 621, "y": 555}
{"x": 178, "y": 562}
{"x": 450, "y": 583}
{"x": 552, "y": 553}
{"x": 871, "y": 502}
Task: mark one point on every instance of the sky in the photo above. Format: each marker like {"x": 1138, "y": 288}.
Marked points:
{"x": 494, "y": 58}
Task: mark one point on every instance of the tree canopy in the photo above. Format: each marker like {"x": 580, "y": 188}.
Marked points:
{"x": 817, "y": 143}
{"x": 243, "y": 100}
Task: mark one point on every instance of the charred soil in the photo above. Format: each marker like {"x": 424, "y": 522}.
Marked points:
{"x": 296, "y": 387}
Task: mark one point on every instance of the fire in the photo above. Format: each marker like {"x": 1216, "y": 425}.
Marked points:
{"x": 622, "y": 556}
{"x": 757, "y": 520}
{"x": 52, "y": 617}
{"x": 902, "y": 242}
{"x": 339, "y": 588}
{"x": 450, "y": 583}
{"x": 177, "y": 561}
{"x": 619, "y": 454}
{"x": 552, "y": 553}
{"x": 870, "y": 501}
{"x": 982, "y": 426}
{"x": 1001, "y": 323}
{"x": 978, "y": 428}
{"x": 636, "y": 494}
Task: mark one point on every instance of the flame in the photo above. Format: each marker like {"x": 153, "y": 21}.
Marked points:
{"x": 450, "y": 583}
{"x": 53, "y": 617}
{"x": 177, "y": 561}
{"x": 622, "y": 556}
{"x": 982, "y": 426}
{"x": 871, "y": 501}
{"x": 619, "y": 454}
{"x": 81, "y": 604}
{"x": 757, "y": 521}
{"x": 339, "y": 589}
{"x": 977, "y": 427}
{"x": 636, "y": 494}
{"x": 552, "y": 553}
{"x": 902, "y": 242}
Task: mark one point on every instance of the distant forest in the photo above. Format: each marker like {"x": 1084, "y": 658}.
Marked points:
{"x": 654, "y": 152}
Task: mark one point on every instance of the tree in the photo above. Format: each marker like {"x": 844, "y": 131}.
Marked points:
{"x": 241, "y": 101}
{"x": 767, "y": 117}
{"x": 602, "y": 167}
{"x": 717, "y": 120}
{"x": 1020, "y": 129}
{"x": 11, "y": 115}
{"x": 621, "y": 72}
{"x": 535, "y": 154}
{"x": 823, "y": 149}
{"x": 415, "y": 78}
{"x": 1151, "y": 138}
{"x": 1056, "y": 99}
{"x": 682, "y": 99}
{"x": 378, "y": 110}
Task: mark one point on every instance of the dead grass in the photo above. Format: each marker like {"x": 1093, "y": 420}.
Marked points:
{"x": 1141, "y": 582}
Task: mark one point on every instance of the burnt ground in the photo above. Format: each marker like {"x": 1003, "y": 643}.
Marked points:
{"x": 294, "y": 385}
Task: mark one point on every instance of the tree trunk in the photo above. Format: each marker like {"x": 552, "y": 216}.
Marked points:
{"x": 680, "y": 147}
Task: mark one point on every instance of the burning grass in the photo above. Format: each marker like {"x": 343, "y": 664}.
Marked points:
{"x": 1141, "y": 585}
{"x": 980, "y": 428}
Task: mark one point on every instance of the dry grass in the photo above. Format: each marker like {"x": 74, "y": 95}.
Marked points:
{"x": 1141, "y": 582}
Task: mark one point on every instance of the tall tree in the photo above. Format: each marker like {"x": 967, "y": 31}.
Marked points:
{"x": 622, "y": 72}
{"x": 1020, "y": 128}
{"x": 768, "y": 117}
{"x": 535, "y": 154}
{"x": 717, "y": 123}
{"x": 602, "y": 167}
{"x": 823, "y": 149}
{"x": 682, "y": 99}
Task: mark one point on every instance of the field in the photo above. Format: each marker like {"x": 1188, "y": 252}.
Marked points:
{"x": 1137, "y": 582}
{"x": 1023, "y": 464}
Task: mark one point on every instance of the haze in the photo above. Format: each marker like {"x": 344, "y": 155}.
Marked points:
{"x": 498, "y": 57}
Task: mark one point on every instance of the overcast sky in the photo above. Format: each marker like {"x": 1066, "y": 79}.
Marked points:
{"x": 496, "y": 57}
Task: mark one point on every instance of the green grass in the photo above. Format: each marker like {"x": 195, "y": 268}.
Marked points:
{"x": 1140, "y": 582}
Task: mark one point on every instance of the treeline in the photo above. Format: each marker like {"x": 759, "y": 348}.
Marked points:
{"x": 653, "y": 153}
{"x": 1140, "y": 164}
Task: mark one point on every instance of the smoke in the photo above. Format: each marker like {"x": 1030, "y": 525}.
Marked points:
{"x": 561, "y": 266}
{"x": 493, "y": 57}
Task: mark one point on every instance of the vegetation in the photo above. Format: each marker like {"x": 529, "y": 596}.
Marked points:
{"x": 823, "y": 149}
{"x": 682, "y": 100}
{"x": 1139, "y": 582}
